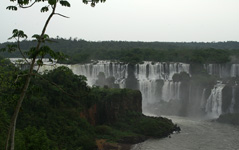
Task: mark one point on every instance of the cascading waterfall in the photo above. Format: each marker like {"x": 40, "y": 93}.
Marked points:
{"x": 158, "y": 70}
{"x": 117, "y": 70}
{"x": 148, "y": 89}
{"x": 149, "y": 73}
{"x": 203, "y": 99}
{"x": 235, "y": 70}
{"x": 222, "y": 70}
{"x": 171, "y": 91}
{"x": 231, "y": 109}
{"x": 155, "y": 81}
{"x": 214, "y": 101}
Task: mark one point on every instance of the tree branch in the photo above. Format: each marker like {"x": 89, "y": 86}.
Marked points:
{"x": 19, "y": 48}
{"x": 21, "y": 6}
{"x": 61, "y": 15}
{"x": 20, "y": 76}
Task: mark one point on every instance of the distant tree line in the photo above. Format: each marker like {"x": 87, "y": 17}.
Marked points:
{"x": 81, "y": 51}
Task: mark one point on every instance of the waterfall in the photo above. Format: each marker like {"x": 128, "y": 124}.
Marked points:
{"x": 117, "y": 70}
{"x": 222, "y": 70}
{"x": 214, "y": 101}
{"x": 171, "y": 91}
{"x": 231, "y": 109}
{"x": 159, "y": 70}
{"x": 148, "y": 89}
{"x": 156, "y": 85}
{"x": 203, "y": 99}
{"x": 148, "y": 73}
{"x": 235, "y": 70}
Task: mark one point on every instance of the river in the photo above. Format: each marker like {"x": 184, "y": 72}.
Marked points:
{"x": 196, "y": 135}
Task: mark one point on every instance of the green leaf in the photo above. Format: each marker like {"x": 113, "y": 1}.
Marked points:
{"x": 85, "y": 1}
{"x": 52, "y": 2}
{"x": 18, "y": 34}
{"x": 65, "y": 3}
{"x": 21, "y": 34}
{"x": 14, "y": 8}
{"x": 44, "y": 9}
{"x": 31, "y": 53}
{"x": 15, "y": 31}
{"x": 36, "y": 36}
{"x": 23, "y": 2}
{"x": 45, "y": 36}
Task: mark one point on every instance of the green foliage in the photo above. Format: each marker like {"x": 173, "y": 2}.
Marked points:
{"x": 65, "y": 3}
{"x": 143, "y": 125}
{"x": 10, "y": 83}
{"x": 32, "y": 138}
{"x": 210, "y": 56}
{"x": 4, "y": 121}
{"x": 14, "y": 8}
{"x": 135, "y": 126}
{"x": 80, "y": 51}
{"x": 93, "y": 2}
{"x": 29, "y": 3}
{"x": 9, "y": 48}
{"x": 44, "y": 9}
{"x": 50, "y": 119}
{"x": 18, "y": 34}
{"x": 59, "y": 113}
{"x": 10, "y": 86}
{"x": 112, "y": 133}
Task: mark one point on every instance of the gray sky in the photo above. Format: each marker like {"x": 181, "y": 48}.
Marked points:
{"x": 132, "y": 20}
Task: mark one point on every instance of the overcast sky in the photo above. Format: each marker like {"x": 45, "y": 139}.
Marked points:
{"x": 132, "y": 20}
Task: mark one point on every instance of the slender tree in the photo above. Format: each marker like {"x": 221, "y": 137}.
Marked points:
{"x": 35, "y": 54}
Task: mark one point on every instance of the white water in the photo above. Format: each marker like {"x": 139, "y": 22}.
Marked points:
{"x": 91, "y": 71}
{"x": 223, "y": 70}
{"x": 148, "y": 73}
{"x": 155, "y": 82}
{"x": 203, "y": 101}
{"x": 231, "y": 109}
{"x": 214, "y": 101}
{"x": 158, "y": 70}
{"x": 196, "y": 135}
{"x": 171, "y": 91}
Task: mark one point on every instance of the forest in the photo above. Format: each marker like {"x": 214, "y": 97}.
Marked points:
{"x": 57, "y": 112}
{"x": 81, "y": 51}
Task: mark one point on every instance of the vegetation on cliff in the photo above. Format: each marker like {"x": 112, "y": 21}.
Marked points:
{"x": 59, "y": 109}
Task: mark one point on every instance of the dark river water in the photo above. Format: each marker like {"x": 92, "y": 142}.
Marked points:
{"x": 196, "y": 135}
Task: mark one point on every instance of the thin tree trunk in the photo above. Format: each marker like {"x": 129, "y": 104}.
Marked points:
{"x": 12, "y": 127}
{"x": 19, "y": 104}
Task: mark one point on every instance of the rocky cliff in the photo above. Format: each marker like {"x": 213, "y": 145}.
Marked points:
{"x": 112, "y": 104}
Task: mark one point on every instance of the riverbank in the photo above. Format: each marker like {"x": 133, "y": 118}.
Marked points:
{"x": 126, "y": 143}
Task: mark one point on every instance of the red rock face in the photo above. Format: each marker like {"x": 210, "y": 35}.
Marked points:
{"x": 90, "y": 114}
